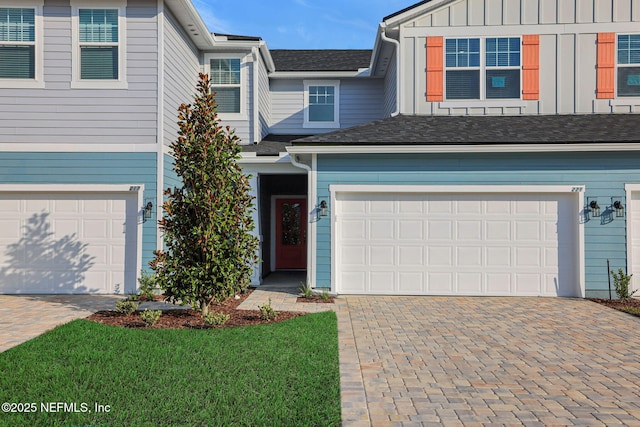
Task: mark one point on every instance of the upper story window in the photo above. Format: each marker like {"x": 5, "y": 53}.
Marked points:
{"x": 21, "y": 45}
{"x": 226, "y": 83}
{"x": 629, "y": 65}
{"x": 488, "y": 70}
{"x": 17, "y": 43}
{"x": 228, "y": 78}
{"x": 99, "y": 51}
{"x": 321, "y": 104}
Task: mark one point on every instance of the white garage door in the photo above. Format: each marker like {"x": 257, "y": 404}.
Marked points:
{"x": 462, "y": 244}
{"x": 67, "y": 242}
{"x": 634, "y": 238}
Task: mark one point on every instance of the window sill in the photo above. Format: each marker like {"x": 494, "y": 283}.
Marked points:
{"x": 232, "y": 117}
{"x": 623, "y": 101}
{"x": 21, "y": 84}
{"x": 98, "y": 84}
{"x": 321, "y": 125}
{"x": 462, "y": 103}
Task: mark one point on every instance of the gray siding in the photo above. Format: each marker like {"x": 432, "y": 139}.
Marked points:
{"x": 181, "y": 68}
{"x": 568, "y": 31}
{"x": 59, "y": 114}
{"x": 360, "y": 103}
{"x": 264, "y": 100}
{"x": 390, "y": 87}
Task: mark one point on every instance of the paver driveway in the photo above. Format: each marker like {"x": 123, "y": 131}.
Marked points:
{"x": 487, "y": 361}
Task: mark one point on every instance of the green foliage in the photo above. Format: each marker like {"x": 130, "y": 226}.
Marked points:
{"x": 267, "y": 312}
{"x": 621, "y": 282}
{"x": 215, "y": 319}
{"x": 148, "y": 285}
{"x": 126, "y": 306}
{"x": 305, "y": 290}
{"x": 150, "y": 317}
{"x": 325, "y": 295}
{"x": 210, "y": 251}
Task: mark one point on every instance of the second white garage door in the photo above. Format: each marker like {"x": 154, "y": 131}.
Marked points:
{"x": 456, "y": 244}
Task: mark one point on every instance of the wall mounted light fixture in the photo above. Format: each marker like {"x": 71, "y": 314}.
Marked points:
{"x": 323, "y": 208}
{"x": 148, "y": 210}
{"x": 618, "y": 207}
{"x": 594, "y": 208}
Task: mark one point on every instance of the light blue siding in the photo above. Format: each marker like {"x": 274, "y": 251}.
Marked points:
{"x": 87, "y": 168}
{"x": 603, "y": 174}
{"x": 171, "y": 179}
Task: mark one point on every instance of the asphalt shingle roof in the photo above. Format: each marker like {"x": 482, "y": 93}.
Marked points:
{"x": 426, "y": 130}
{"x": 320, "y": 60}
{"x": 406, "y": 9}
{"x": 271, "y": 145}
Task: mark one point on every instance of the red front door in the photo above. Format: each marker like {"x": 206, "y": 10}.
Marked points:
{"x": 291, "y": 233}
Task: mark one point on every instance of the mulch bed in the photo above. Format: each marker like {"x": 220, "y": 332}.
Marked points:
{"x": 191, "y": 319}
{"x": 619, "y": 304}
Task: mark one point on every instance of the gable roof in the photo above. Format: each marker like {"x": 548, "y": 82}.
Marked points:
{"x": 321, "y": 60}
{"x": 452, "y": 130}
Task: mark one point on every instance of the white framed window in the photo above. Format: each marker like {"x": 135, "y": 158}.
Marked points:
{"x": 321, "y": 104}
{"x": 482, "y": 68}
{"x": 21, "y": 45}
{"x": 628, "y": 73}
{"x": 98, "y": 57}
{"x": 227, "y": 75}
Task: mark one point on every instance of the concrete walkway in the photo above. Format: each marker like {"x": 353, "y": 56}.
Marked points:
{"x": 411, "y": 361}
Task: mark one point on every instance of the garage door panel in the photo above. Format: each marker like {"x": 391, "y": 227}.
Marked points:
{"x": 353, "y": 255}
{"x": 66, "y": 206}
{"x": 411, "y": 256}
{"x": 469, "y": 283}
{"x": 469, "y": 230}
{"x": 382, "y": 255}
{"x": 410, "y": 230}
{"x": 410, "y": 282}
{"x": 440, "y": 230}
{"x": 473, "y": 244}
{"x": 353, "y": 229}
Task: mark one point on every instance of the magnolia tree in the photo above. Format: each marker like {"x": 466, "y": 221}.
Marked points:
{"x": 209, "y": 249}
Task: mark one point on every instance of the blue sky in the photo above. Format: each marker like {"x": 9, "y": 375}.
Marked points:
{"x": 301, "y": 24}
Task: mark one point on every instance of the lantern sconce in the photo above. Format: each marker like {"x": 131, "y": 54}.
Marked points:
{"x": 323, "y": 208}
{"x": 148, "y": 210}
{"x": 618, "y": 207}
{"x": 593, "y": 207}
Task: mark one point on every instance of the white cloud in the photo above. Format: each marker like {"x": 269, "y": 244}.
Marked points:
{"x": 215, "y": 24}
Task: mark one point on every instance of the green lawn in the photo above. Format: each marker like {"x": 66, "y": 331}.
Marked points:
{"x": 282, "y": 374}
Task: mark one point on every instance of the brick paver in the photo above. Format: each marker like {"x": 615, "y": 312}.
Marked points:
{"x": 23, "y": 317}
{"x": 487, "y": 361}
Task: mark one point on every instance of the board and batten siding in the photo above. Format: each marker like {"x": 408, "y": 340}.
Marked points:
{"x": 181, "y": 68}
{"x": 88, "y": 168}
{"x": 58, "y": 114}
{"x": 360, "y": 103}
{"x": 567, "y": 29}
{"x": 604, "y": 176}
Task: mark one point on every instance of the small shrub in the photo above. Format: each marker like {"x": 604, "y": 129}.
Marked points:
{"x": 215, "y": 319}
{"x": 150, "y": 317}
{"x": 126, "y": 306}
{"x": 147, "y": 282}
{"x": 325, "y": 295}
{"x": 267, "y": 312}
{"x": 621, "y": 283}
{"x": 305, "y": 290}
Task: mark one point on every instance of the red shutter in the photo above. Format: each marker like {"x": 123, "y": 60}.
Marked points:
{"x": 531, "y": 67}
{"x": 606, "y": 66}
{"x": 435, "y": 76}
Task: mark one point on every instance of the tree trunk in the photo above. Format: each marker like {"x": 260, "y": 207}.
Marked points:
{"x": 204, "y": 307}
